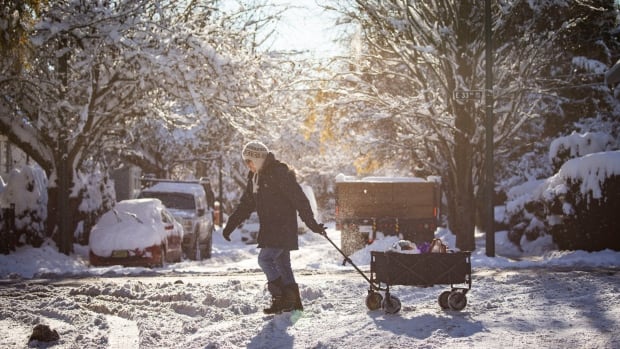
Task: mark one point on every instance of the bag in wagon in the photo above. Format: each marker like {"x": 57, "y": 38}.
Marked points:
{"x": 437, "y": 246}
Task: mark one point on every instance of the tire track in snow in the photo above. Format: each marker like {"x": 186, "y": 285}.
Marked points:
{"x": 124, "y": 334}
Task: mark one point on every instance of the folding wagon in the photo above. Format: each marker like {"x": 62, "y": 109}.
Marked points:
{"x": 423, "y": 270}
{"x": 391, "y": 268}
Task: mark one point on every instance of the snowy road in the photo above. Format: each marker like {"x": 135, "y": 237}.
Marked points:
{"x": 519, "y": 308}
{"x": 559, "y": 299}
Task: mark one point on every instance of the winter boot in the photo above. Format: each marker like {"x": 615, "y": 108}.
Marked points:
{"x": 292, "y": 299}
{"x": 298, "y": 305}
{"x": 275, "y": 287}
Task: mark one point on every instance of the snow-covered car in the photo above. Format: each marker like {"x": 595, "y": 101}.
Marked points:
{"x": 137, "y": 232}
{"x": 187, "y": 201}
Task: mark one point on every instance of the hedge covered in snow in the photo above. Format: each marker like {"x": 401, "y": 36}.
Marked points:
{"x": 579, "y": 205}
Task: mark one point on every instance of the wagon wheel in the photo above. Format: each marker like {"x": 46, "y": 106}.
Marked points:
{"x": 161, "y": 262}
{"x": 443, "y": 300}
{"x": 457, "y": 300}
{"x": 391, "y": 304}
{"x": 373, "y": 300}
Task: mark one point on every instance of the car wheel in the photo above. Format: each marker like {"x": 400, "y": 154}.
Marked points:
{"x": 206, "y": 252}
{"x": 162, "y": 257}
{"x": 197, "y": 251}
{"x": 192, "y": 251}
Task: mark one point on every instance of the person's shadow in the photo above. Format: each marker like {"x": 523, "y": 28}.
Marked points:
{"x": 424, "y": 325}
{"x": 274, "y": 335}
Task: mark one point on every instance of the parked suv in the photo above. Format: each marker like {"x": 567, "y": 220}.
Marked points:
{"x": 187, "y": 201}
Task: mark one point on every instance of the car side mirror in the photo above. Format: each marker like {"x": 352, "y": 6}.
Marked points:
{"x": 200, "y": 212}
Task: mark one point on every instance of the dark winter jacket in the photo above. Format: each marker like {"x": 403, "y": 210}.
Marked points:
{"x": 277, "y": 201}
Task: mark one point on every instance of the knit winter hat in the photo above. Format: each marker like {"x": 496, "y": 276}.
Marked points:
{"x": 255, "y": 151}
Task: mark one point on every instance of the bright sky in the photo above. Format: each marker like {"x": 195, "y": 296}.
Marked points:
{"x": 306, "y": 27}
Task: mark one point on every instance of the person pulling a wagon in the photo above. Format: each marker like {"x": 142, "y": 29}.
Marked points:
{"x": 274, "y": 193}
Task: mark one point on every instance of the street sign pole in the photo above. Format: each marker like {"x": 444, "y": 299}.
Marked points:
{"x": 490, "y": 179}
{"x": 468, "y": 94}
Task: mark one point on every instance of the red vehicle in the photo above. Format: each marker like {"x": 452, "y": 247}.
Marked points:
{"x": 139, "y": 232}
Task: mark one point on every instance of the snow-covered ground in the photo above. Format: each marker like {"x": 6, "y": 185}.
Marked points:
{"x": 553, "y": 300}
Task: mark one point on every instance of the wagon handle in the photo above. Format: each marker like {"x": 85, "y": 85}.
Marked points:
{"x": 346, "y": 258}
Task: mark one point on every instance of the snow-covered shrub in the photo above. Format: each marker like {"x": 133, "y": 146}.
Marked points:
{"x": 583, "y": 201}
{"x": 524, "y": 213}
{"x": 578, "y": 206}
{"x": 576, "y": 145}
{"x": 26, "y": 188}
{"x": 96, "y": 196}
{"x": 573, "y": 205}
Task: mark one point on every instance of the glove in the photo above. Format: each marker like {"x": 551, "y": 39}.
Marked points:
{"x": 318, "y": 228}
{"x": 227, "y": 231}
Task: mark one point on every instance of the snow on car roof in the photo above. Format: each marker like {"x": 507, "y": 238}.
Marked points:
{"x": 344, "y": 178}
{"x": 177, "y": 187}
{"x": 141, "y": 207}
{"x": 130, "y": 224}
{"x": 393, "y": 179}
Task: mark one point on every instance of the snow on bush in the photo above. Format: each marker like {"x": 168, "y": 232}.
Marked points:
{"x": 26, "y": 188}
{"x": 577, "y": 205}
{"x": 585, "y": 196}
{"x": 591, "y": 171}
{"x": 576, "y": 145}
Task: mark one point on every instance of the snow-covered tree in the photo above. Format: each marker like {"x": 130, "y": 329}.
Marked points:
{"x": 101, "y": 67}
{"x": 16, "y": 18}
{"x": 412, "y": 59}
{"x": 585, "y": 44}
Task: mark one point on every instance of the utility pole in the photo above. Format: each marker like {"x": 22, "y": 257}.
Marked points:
{"x": 490, "y": 178}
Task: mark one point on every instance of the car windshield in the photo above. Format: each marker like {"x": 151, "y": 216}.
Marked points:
{"x": 179, "y": 201}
